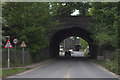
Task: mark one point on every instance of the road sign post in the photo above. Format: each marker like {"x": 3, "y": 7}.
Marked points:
{"x": 8, "y": 58}
{"x": 8, "y": 45}
{"x": 23, "y": 45}
{"x": 15, "y": 52}
{"x": 23, "y": 55}
{"x": 15, "y": 41}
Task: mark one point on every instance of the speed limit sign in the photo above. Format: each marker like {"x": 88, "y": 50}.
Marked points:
{"x": 15, "y": 41}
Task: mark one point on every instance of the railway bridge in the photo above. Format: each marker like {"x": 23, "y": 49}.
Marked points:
{"x": 71, "y": 26}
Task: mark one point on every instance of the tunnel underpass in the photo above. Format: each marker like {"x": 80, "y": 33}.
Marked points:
{"x": 65, "y": 33}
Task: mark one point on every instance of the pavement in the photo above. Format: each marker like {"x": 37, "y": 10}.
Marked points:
{"x": 67, "y": 68}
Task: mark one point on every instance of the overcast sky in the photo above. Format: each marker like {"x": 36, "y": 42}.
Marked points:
{"x": 75, "y": 13}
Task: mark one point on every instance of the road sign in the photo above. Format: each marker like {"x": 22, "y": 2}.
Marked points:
{"x": 15, "y": 40}
{"x": 23, "y": 44}
{"x": 8, "y": 44}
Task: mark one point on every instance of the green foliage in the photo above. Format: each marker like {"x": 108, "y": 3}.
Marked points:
{"x": 37, "y": 37}
{"x": 16, "y": 58}
{"x": 105, "y": 28}
{"x": 13, "y": 71}
{"x": 83, "y": 43}
{"x": 65, "y": 9}
{"x": 111, "y": 65}
{"x": 29, "y": 22}
{"x": 119, "y": 60}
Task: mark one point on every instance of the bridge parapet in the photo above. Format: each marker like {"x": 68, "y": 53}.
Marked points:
{"x": 76, "y": 21}
{"x": 67, "y": 22}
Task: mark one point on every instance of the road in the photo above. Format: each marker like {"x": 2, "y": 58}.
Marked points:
{"x": 67, "y": 68}
{"x": 74, "y": 53}
{"x": 77, "y": 53}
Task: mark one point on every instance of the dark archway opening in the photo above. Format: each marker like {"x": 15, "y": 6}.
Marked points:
{"x": 74, "y": 46}
{"x": 65, "y": 33}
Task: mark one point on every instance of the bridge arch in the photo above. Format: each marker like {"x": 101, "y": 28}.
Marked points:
{"x": 62, "y": 34}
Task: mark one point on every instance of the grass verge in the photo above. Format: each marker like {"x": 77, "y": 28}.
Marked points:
{"x": 110, "y": 65}
{"x": 10, "y": 72}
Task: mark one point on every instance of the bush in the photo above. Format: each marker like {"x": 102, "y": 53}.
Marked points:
{"x": 112, "y": 66}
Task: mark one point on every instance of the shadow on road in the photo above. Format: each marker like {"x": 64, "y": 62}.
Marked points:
{"x": 73, "y": 58}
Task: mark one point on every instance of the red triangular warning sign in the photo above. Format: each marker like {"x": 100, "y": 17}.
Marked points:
{"x": 23, "y": 44}
{"x": 8, "y": 44}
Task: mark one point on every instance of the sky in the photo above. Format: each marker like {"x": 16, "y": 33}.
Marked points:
{"x": 75, "y": 13}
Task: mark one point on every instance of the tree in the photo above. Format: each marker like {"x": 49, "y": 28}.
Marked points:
{"x": 66, "y": 9}
{"x": 105, "y": 28}
{"x": 83, "y": 43}
{"x": 29, "y": 22}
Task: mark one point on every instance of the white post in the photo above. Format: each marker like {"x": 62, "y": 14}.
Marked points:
{"x": 8, "y": 59}
{"x": 23, "y": 56}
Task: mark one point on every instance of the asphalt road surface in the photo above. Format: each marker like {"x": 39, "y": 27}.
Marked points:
{"x": 67, "y": 68}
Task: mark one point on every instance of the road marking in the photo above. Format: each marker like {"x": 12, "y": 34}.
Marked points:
{"x": 67, "y": 75}
{"x": 68, "y": 72}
